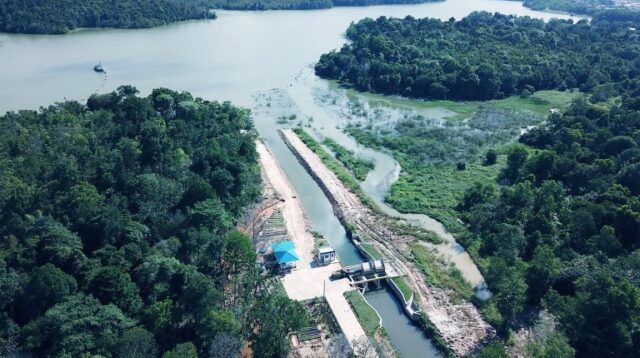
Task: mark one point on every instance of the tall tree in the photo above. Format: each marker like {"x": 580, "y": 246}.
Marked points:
{"x": 273, "y": 318}
{"x": 79, "y": 324}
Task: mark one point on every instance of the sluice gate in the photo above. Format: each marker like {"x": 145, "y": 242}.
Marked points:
{"x": 361, "y": 275}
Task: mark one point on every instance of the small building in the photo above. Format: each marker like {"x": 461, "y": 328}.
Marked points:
{"x": 285, "y": 255}
{"x": 325, "y": 255}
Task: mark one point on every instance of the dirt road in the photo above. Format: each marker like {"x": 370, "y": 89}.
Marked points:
{"x": 292, "y": 209}
{"x": 459, "y": 324}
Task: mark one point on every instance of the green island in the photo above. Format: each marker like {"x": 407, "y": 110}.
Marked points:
{"x": 483, "y": 56}
{"x": 118, "y": 231}
{"x": 371, "y": 250}
{"x": 535, "y": 168}
{"x": 406, "y": 291}
{"x": 303, "y": 4}
{"x": 332, "y": 163}
{"x": 593, "y": 7}
{"x": 61, "y": 16}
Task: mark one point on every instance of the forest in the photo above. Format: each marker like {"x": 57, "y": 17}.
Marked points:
{"x": 61, "y": 16}
{"x": 572, "y": 6}
{"x": 563, "y": 232}
{"x": 117, "y": 223}
{"x": 303, "y": 4}
{"x": 485, "y": 56}
{"x": 272, "y": 4}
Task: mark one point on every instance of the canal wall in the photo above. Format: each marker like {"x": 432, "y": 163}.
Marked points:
{"x": 362, "y": 251}
{"x": 409, "y": 306}
{"x": 321, "y": 183}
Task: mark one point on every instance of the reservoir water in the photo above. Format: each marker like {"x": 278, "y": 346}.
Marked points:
{"x": 247, "y": 58}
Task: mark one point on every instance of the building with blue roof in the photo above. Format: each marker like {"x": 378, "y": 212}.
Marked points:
{"x": 285, "y": 255}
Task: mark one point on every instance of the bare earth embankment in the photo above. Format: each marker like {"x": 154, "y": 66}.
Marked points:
{"x": 460, "y": 324}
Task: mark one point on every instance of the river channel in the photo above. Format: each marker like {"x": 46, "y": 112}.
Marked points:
{"x": 244, "y": 57}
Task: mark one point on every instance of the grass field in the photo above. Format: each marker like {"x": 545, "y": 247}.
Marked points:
{"x": 352, "y": 184}
{"x": 540, "y": 102}
{"x": 371, "y": 249}
{"x": 358, "y": 167}
{"x": 404, "y": 288}
{"x": 436, "y": 189}
{"x": 334, "y": 165}
{"x": 366, "y": 314}
{"x": 440, "y": 274}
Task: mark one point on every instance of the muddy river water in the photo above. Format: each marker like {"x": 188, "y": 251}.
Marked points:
{"x": 254, "y": 59}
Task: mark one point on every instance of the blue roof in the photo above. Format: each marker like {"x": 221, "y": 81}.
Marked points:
{"x": 285, "y": 252}
{"x": 282, "y": 246}
{"x": 286, "y": 256}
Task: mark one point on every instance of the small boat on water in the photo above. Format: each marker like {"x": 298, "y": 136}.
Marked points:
{"x": 98, "y": 68}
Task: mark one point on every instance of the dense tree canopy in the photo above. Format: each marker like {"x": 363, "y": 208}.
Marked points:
{"x": 303, "y": 4}
{"x": 116, "y": 227}
{"x": 564, "y": 232}
{"x": 485, "y": 56}
{"x": 574, "y": 6}
{"x": 272, "y": 4}
{"x": 60, "y": 16}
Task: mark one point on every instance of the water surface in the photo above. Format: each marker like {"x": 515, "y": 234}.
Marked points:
{"x": 227, "y": 59}
{"x": 402, "y": 331}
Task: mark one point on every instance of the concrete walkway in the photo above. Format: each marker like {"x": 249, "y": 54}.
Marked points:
{"x": 308, "y": 281}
